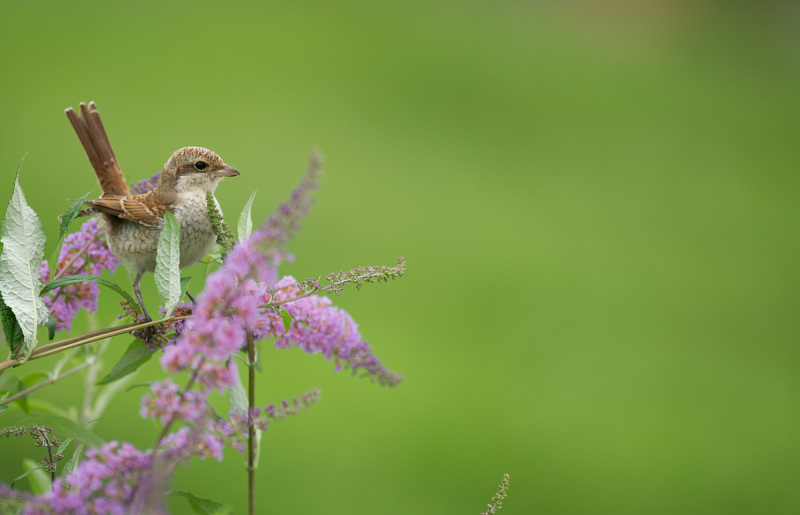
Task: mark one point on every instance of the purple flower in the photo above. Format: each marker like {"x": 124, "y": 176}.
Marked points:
{"x": 83, "y": 252}
{"x": 145, "y": 185}
{"x": 102, "y": 483}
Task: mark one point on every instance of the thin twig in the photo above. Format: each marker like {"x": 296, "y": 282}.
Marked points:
{"x": 41, "y": 385}
{"x": 74, "y": 258}
{"x": 83, "y": 339}
{"x": 325, "y": 289}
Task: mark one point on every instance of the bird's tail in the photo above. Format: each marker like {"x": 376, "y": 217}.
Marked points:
{"x": 94, "y": 139}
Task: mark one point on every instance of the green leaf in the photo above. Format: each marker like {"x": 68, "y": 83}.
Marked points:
{"x": 198, "y": 504}
{"x": 137, "y": 354}
{"x": 245, "y": 220}
{"x": 35, "y": 484}
{"x": 72, "y": 428}
{"x": 34, "y": 378}
{"x": 11, "y": 329}
{"x": 237, "y": 396}
{"x": 185, "y": 285}
{"x": 64, "y": 445}
{"x": 237, "y": 401}
{"x": 216, "y": 258}
{"x": 168, "y": 260}
{"x": 70, "y": 279}
{"x": 69, "y": 215}
{"x": 69, "y": 467}
{"x": 107, "y": 395}
{"x": 287, "y": 319}
{"x": 51, "y": 326}
{"x": 23, "y": 251}
{"x": 138, "y": 385}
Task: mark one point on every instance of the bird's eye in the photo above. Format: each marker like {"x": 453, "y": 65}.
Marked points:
{"x": 200, "y": 165}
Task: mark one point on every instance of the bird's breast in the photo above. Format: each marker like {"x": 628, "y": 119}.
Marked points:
{"x": 197, "y": 235}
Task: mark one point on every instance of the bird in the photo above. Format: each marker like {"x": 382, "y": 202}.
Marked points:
{"x": 134, "y": 222}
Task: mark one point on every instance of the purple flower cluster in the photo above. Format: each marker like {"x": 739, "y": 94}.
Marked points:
{"x": 319, "y": 327}
{"x": 145, "y": 185}
{"x": 117, "y": 478}
{"x": 103, "y": 483}
{"x": 169, "y": 401}
{"x": 83, "y": 252}
{"x": 235, "y": 432}
{"x": 284, "y": 222}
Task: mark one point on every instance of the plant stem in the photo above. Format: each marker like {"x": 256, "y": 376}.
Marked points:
{"x": 50, "y": 457}
{"x": 83, "y": 339}
{"x": 324, "y": 289}
{"x": 72, "y": 260}
{"x": 41, "y": 385}
{"x": 251, "y": 430}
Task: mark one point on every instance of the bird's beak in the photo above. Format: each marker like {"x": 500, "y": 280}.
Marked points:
{"x": 227, "y": 171}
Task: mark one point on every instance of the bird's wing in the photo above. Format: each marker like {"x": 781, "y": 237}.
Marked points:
{"x": 136, "y": 208}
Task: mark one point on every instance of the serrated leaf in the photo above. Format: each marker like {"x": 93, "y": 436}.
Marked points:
{"x": 69, "y": 215}
{"x": 198, "y": 504}
{"x": 245, "y": 227}
{"x": 23, "y": 251}
{"x": 168, "y": 260}
{"x": 69, "y": 467}
{"x": 70, "y": 279}
{"x": 72, "y": 428}
{"x": 11, "y": 329}
{"x": 137, "y": 354}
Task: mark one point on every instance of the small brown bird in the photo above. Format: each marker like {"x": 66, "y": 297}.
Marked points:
{"x": 134, "y": 221}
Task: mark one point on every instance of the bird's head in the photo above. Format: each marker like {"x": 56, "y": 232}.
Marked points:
{"x": 196, "y": 167}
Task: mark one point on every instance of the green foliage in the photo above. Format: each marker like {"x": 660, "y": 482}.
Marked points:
{"x": 20, "y": 282}
{"x": 225, "y": 238}
{"x": 39, "y": 480}
{"x": 138, "y": 354}
{"x": 70, "y": 279}
{"x": 168, "y": 259}
{"x": 69, "y": 215}
{"x": 245, "y": 218}
{"x": 11, "y": 329}
{"x": 69, "y": 427}
{"x": 201, "y": 506}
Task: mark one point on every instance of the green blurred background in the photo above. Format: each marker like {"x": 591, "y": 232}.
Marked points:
{"x": 597, "y": 202}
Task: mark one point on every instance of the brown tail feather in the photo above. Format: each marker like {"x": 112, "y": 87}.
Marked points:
{"x": 94, "y": 139}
